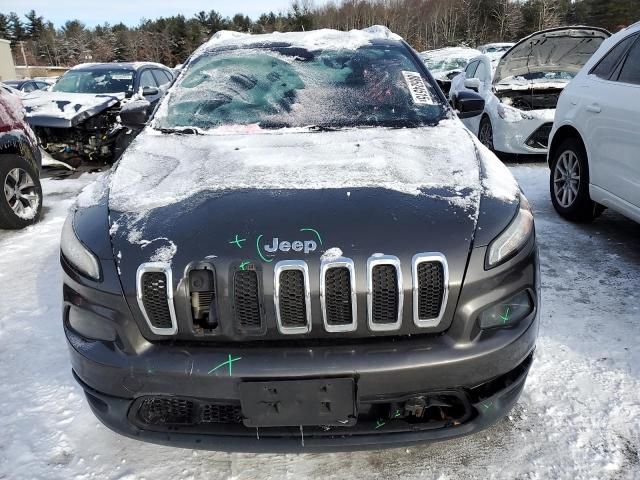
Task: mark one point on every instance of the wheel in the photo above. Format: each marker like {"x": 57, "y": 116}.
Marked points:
{"x": 485, "y": 133}
{"x": 21, "y": 200}
{"x": 569, "y": 183}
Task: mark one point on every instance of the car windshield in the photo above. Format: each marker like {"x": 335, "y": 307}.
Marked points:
{"x": 279, "y": 87}
{"x": 95, "y": 81}
{"x": 446, "y": 64}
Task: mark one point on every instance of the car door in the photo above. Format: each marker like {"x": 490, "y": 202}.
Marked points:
{"x": 611, "y": 121}
{"x": 483, "y": 75}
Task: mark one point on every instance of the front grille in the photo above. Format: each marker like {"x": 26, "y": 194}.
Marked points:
{"x": 430, "y": 289}
{"x": 540, "y": 138}
{"x": 155, "y": 300}
{"x": 292, "y": 299}
{"x": 338, "y": 296}
{"x": 246, "y": 300}
{"x": 384, "y": 279}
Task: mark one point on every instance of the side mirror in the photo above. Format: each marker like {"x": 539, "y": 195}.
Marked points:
{"x": 134, "y": 114}
{"x": 472, "y": 84}
{"x": 469, "y": 104}
{"x": 150, "y": 91}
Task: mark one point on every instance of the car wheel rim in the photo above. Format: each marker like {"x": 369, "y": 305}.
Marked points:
{"x": 486, "y": 135}
{"x": 20, "y": 193}
{"x": 566, "y": 179}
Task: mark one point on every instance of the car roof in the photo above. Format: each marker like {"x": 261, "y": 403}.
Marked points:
{"x": 125, "y": 66}
{"x": 311, "y": 40}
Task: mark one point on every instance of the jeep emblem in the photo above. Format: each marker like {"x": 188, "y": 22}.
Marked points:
{"x": 307, "y": 246}
{"x": 268, "y": 250}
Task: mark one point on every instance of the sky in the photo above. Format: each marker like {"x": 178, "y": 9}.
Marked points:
{"x": 130, "y": 12}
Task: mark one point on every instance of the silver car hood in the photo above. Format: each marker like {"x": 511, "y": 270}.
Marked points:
{"x": 564, "y": 49}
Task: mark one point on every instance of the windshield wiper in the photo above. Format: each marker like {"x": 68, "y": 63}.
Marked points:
{"x": 321, "y": 128}
{"x": 185, "y": 131}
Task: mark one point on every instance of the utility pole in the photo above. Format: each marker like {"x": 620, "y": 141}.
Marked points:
{"x": 24, "y": 58}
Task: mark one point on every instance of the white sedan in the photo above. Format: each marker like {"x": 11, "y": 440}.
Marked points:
{"x": 521, "y": 90}
{"x": 594, "y": 152}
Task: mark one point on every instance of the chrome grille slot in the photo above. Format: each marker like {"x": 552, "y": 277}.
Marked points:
{"x": 338, "y": 295}
{"x": 384, "y": 293}
{"x": 155, "y": 297}
{"x": 246, "y": 300}
{"x": 292, "y": 297}
{"x": 430, "y": 274}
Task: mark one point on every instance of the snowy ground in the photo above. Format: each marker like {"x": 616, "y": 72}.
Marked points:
{"x": 579, "y": 416}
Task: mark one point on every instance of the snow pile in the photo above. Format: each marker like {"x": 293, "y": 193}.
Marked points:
{"x": 94, "y": 192}
{"x": 313, "y": 40}
{"x": 158, "y": 170}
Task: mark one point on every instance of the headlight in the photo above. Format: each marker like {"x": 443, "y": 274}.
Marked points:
{"x": 515, "y": 236}
{"x": 76, "y": 253}
{"x": 511, "y": 114}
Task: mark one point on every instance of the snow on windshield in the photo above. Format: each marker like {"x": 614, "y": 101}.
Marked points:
{"x": 278, "y": 87}
{"x": 158, "y": 170}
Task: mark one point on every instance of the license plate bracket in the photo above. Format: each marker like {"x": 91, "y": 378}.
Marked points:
{"x": 286, "y": 403}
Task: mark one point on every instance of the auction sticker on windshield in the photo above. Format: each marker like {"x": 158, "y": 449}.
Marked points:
{"x": 418, "y": 88}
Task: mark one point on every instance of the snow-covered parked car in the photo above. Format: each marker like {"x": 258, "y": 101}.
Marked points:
{"x": 77, "y": 118}
{"x": 304, "y": 250}
{"x": 20, "y": 161}
{"x": 446, "y": 63}
{"x": 522, "y": 93}
{"x": 594, "y": 153}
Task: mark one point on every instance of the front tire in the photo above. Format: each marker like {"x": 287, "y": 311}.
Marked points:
{"x": 21, "y": 197}
{"x": 569, "y": 183}
{"x": 485, "y": 133}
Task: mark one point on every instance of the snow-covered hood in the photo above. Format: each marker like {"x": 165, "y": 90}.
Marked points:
{"x": 161, "y": 169}
{"x": 66, "y": 110}
{"x": 555, "y": 50}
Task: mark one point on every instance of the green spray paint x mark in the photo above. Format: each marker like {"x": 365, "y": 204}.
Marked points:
{"x": 238, "y": 241}
{"x": 379, "y": 423}
{"x": 505, "y": 317}
{"x": 244, "y": 265}
{"x": 228, "y": 362}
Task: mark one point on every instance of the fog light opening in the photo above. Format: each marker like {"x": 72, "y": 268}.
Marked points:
{"x": 507, "y": 313}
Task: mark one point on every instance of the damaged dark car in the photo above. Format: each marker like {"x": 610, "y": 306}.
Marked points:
{"x": 77, "y": 120}
{"x": 304, "y": 250}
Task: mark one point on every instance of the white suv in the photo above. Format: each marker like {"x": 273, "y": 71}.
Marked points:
{"x": 594, "y": 152}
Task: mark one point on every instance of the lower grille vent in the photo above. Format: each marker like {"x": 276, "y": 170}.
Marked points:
{"x": 246, "y": 300}
{"x": 176, "y": 412}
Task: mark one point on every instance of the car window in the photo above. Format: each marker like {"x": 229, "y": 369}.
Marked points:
{"x": 28, "y": 87}
{"x": 630, "y": 72}
{"x": 95, "y": 81}
{"x": 279, "y": 87}
{"x": 161, "y": 77}
{"x": 470, "y": 71}
{"x": 147, "y": 79}
{"x": 608, "y": 63}
{"x": 42, "y": 85}
{"x": 481, "y": 72}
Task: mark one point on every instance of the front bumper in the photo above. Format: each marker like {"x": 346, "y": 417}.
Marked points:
{"x": 514, "y": 137}
{"x": 489, "y": 375}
